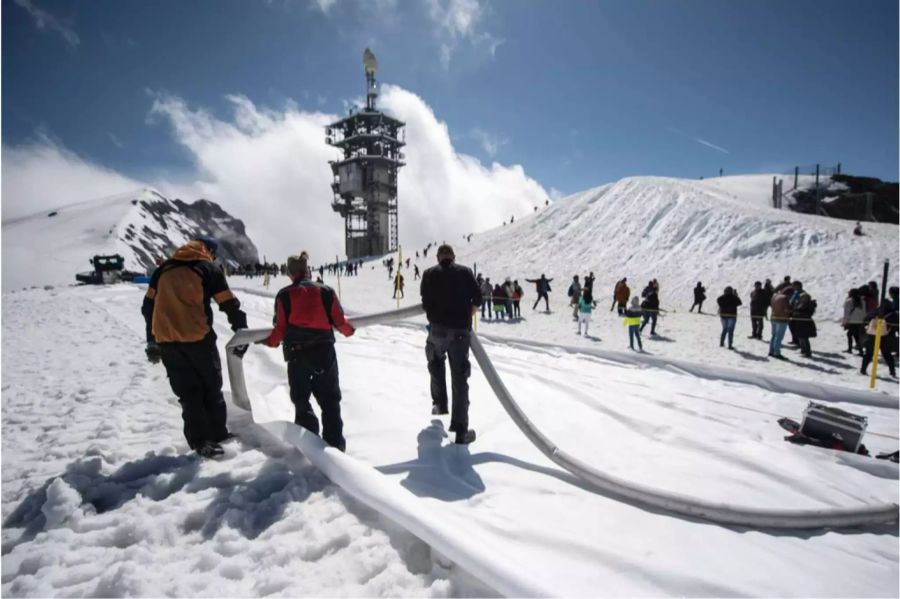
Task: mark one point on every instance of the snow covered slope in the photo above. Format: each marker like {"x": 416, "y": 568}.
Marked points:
{"x": 100, "y": 498}
{"x": 142, "y": 226}
{"x": 680, "y": 231}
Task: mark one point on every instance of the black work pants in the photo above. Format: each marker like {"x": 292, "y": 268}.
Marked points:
{"x": 486, "y": 305}
{"x": 546, "y": 301}
{"x": 885, "y": 349}
{"x": 314, "y": 370}
{"x": 195, "y": 375}
{"x": 756, "y": 323}
{"x": 699, "y": 304}
{"x": 443, "y": 342}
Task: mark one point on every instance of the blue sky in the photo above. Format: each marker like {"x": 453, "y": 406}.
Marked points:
{"x": 578, "y": 93}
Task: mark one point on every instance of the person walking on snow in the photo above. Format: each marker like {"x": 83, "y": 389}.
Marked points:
{"x": 632, "y": 319}
{"x": 416, "y": 276}
{"x": 509, "y": 292}
{"x": 542, "y": 286}
{"x": 699, "y": 298}
{"x": 650, "y": 306}
{"x": 398, "y": 286}
{"x": 586, "y": 305}
{"x": 179, "y": 332}
{"x": 305, "y": 315}
{"x": 620, "y": 295}
{"x": 574, "y": 295}
{"x": 450, "y": 296}
{"x": 728, "y": 305}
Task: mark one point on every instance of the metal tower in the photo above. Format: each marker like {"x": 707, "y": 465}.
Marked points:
{"x": 365, "y": 178}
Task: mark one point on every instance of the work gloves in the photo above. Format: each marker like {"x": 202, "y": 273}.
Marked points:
{"x": 154, "y": 352}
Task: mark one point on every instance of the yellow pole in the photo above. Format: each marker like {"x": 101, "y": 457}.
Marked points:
{"x": 875, "y": 354}
{"x": 397, "y": 278}
{"x": 337, "y": 268}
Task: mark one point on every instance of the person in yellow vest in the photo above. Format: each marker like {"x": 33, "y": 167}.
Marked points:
{"x": 632, "y": 320}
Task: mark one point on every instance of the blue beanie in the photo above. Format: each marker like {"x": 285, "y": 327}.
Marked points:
{"x": 210, "y": 243}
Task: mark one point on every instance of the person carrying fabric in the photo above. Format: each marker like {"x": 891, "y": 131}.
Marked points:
{"x": 179, "y": 320}
{"x": 450, "y": 296}
{"x": 306, "y": 314}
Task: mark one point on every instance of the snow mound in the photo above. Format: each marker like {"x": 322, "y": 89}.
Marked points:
{"x": 680, "y": 231}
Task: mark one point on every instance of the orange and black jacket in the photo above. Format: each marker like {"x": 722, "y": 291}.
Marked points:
{"x": 177, "y": 305}
{"x": 305, "y": 313}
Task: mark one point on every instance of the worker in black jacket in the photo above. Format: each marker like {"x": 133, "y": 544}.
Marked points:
{"x": 451, "y": 297}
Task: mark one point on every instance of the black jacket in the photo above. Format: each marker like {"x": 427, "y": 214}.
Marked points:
{"x": 448, "y": 295}
{"x": 728, "y": 305}
{"x": 651, "y": 299}
{"x": 759, "y": 302}
{"x": 699, "y": 293}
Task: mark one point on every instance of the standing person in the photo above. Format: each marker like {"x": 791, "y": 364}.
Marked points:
{"x": 621, "y": 294}
{"x": 542, "y": 286}
{"x": 179, "y": 322}
{"x": 305, "y": 315}
{"x": 509, "y": 292}
{"x": 854, "y": 316}
{"x": 872, "y": 298}
{"x": 589, "y": 283}
{"x": 487, "y": 291}
{"x": 888, "y": 336}
{"x": 699, "y": 298}
{"x": 585, "y": 307}
{"x": 450, "y": 296}
{"x": 499, "y": 301}
{"x": 781, "y": 315}
{"x": 416, "y": 272}
{"x": 398, "y": 286}
{"x": 574, "y": 295}
{"x": 632, "y": 319}
{"x": 728, "y": 305}
{"x": 803, "y": 324}
{"x": 650, "y": 306}
{"x": 518, "y": 293}
{"x": 796, "y": 288}
{"x": 759, "y": 304}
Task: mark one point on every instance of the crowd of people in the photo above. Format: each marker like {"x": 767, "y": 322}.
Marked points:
{"x": 179, "y": 330}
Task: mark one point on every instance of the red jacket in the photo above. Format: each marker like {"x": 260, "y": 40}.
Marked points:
{"x": 305, "y": 313}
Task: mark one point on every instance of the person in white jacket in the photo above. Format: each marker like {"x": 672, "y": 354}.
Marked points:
{"x": 854, "y": 315}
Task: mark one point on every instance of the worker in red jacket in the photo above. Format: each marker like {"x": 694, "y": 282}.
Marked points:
{"x": 305, "y": 315}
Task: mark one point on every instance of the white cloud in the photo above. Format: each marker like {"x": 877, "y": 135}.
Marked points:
{"x": 270, "y": 168}
{"x": 711, "y": 145}
{"x": 325, "y": 5}
{"x": 458, "y": 20}
{"x": 556, "y": 194}
{"x": 43, "y": 175}
{"x": 115, "y": 141}
{"x": 490, "y": 143}
{"x": 43, "y": 20}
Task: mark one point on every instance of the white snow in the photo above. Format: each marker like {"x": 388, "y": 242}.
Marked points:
{"x": 101, "y": 497}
